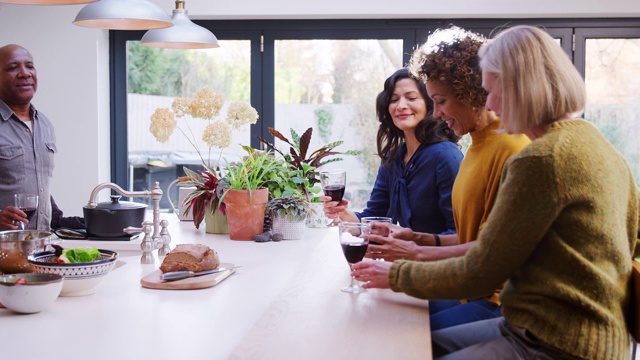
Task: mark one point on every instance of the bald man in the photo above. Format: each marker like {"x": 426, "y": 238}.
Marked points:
{"x": 27, "y": 141}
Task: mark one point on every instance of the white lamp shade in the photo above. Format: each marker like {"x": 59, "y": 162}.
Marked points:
{"x": 123, "y": 15}
{"x": 184, "y": 34}
{"x": 47, "y": 2}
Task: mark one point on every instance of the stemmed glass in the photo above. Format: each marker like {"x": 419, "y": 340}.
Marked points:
{"x": 354, "y": 246}
{"x": 333, "y": 184}
{"x": 383, "y": 231}
{"x": 28, "y": 204}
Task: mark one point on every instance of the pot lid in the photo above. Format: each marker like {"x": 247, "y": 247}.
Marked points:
{"x": 116, "y": 204}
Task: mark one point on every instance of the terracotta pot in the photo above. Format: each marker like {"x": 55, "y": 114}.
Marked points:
{"x": 245, "y": 213}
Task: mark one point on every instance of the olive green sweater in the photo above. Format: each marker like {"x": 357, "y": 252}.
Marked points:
{"x": 562, "y": 232}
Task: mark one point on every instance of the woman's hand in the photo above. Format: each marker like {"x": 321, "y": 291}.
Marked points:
{"x": 10, "y": 218}
{"x": 374, "y": 274}
{"x": 391, "y": 249}
{"x": 401, "y": 233}
{"x": 333, "y": 209}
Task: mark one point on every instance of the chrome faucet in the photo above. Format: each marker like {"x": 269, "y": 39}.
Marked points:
{"x": 159, "y": 239}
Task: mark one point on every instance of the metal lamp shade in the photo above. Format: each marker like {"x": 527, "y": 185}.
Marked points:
{"x": 123, "y": 15}
{"x": 47, "y": 2}
{"x": 184, "y": 34}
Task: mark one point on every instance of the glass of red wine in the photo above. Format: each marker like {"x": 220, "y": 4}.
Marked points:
{"x": 28, "y": 203}
{"x": 333, "y": 184}
{"x": 377, "y": 229}
{"x": 354, "y": 246}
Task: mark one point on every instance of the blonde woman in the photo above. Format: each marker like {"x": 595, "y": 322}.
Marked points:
{"x": 563, "y": 230}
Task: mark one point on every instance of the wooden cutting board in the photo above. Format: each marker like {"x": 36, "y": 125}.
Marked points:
{"x": 154, "y": 280}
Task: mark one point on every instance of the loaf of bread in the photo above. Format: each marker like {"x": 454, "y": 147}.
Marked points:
{"x": 192, "y": 257}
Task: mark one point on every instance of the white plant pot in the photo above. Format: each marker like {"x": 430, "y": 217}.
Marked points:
{"x": 290, "y": 230}
{"x": 316, "y": 217}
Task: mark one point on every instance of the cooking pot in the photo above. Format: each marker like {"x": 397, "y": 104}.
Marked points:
{"x": 108, "y": 219}
{"x": 15, "y": 245}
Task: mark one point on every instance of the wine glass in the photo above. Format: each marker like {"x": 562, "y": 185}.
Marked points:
{"x": 28, "y": 203}
{"x": 377, "y": 230}
{"x": 354, "y": 246}
{"x": 333, "y": 184}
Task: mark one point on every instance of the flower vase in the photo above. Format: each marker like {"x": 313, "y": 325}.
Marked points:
{"x": 245, "y": 212}
{"x": 316, "y": 217}
{"x": 216, "y": 223}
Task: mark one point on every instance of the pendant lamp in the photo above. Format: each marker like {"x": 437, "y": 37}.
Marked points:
{"x": 123, "y": 15}
{"x": 184, "y": 34}
{"x": 47, "y": 2}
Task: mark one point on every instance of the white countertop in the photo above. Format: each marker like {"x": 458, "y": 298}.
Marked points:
{"x": 284, "y": 291}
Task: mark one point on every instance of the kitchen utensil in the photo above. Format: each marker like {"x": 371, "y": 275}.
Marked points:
{"x": 15, "y": 245}
{"x": 108, "y": 219}
{"x": 154, "y": 280}
{"x": 79, "y": 278}
{"x": 37, "y": 293}
{"x": 179, "y": 275}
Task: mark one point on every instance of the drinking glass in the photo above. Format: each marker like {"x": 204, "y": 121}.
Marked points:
{"x": 333, "y": 184}
{"x": 376, "y": 230}
{"x": 28, "y": 203}
{"x": 354, "y": 246}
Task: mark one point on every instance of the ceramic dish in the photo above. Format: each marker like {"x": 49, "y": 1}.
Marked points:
{"x": 37, "y": 293}
{"x": 79, "y": 278}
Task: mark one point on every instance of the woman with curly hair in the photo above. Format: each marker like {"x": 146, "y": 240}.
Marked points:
{"x": 419, "y": 161}
{"x": 449, "y": 65}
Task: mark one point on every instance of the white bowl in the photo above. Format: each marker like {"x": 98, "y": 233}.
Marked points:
{"x": 39, "y": 292}
{"x": 79, "y": 278}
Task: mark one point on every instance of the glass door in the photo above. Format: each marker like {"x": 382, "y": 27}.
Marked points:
{"x": 609, "y": 59}
{"x": 330, "y": 84}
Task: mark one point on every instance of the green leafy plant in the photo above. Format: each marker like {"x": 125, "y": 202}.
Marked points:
{"x": 293, "y": 208}
{"x": 251, "y": 173}
{"x": 206, "y": 196}
{"x": 301, "y": 158}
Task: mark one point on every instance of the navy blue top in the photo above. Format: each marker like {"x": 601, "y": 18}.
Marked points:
{"x": 418, "y": 195}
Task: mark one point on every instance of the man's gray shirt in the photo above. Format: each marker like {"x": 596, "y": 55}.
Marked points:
{"x": 26, "y": 161}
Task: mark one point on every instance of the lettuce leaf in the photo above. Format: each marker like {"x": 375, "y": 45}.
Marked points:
{"x": 77, "y": 255}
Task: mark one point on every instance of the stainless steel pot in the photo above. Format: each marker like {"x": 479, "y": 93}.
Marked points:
{"x": 15, "y": 245}
{"x": 108, "y": 219}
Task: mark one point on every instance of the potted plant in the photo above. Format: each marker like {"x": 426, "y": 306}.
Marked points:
{"x": 305, "y": 164}
{"x": 247, "y": 193}
{"x": 204, "y": 201}
{"x": 289, "y": 214}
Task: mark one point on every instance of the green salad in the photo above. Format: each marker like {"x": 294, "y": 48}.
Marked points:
{"x": 77, "y": 255}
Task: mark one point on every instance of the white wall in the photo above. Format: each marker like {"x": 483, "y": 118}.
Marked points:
{"x": 73, "y": 64}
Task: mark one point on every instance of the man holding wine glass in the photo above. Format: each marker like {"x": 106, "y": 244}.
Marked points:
{"x": 27, "y": 142}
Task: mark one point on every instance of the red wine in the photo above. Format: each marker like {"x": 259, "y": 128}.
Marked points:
{"x": 336, "y": 191}
{"x": 354, "y": 252}
{"x": 29, "y": 211}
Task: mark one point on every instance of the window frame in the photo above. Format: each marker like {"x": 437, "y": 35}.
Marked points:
{"x": 264, "y": 33}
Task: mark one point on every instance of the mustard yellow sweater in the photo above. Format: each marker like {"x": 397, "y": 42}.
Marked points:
{"x": 563, "y": 231}
{"x": 476, "y": 185}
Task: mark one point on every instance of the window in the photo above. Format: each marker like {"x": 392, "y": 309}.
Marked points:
{"x": 325, "y": 74}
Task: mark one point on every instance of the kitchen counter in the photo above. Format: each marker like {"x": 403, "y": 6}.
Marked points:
{"x": 283, "y": 303}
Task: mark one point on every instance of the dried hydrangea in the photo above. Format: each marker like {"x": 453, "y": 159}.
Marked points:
{"x": 217, "y": 134}
{"x": 206, "y": 104}
{"x": 162, "y": 124}
{"x": 240, "y": 114}
{"x": 181, "y": 106}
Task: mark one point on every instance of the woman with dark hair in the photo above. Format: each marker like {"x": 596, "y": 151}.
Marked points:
{"x": 419, "y": 161}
